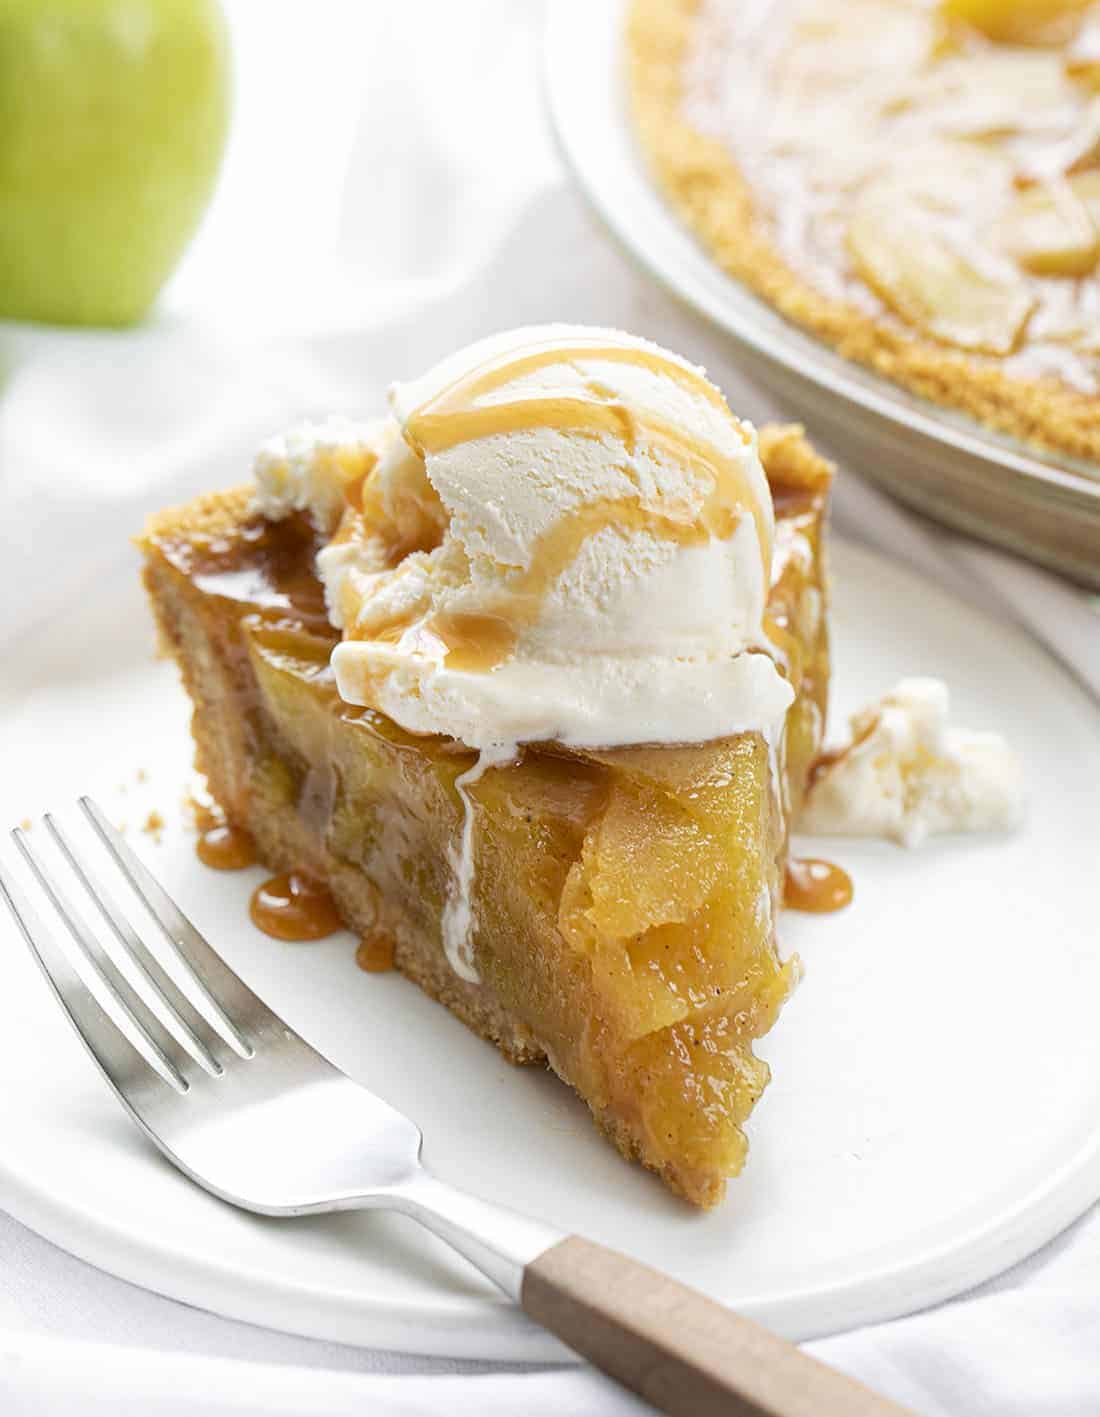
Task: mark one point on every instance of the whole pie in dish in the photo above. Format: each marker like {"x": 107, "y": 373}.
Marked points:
{"x": 530, "y": 677}
{"x": 917, "y": 182}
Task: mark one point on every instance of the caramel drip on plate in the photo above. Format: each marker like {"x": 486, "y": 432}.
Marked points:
{"x": 293, "y": 907}
{"x": 816, "y": 886}
{"x": 375, "y": 953}
{"x": 225, "y": 848}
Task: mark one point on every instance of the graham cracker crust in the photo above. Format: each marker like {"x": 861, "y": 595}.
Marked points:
{"x": 707, "y": 190}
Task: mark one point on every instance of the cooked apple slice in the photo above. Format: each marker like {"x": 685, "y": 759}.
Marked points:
{"x": 1018, "y": 21}
{"x": 1080, "y": 152}
{"x": 996, "y": 91}
{"x": 920, "y": 275}
{"x": 944, "y": 176}
{"x": 1049, "y": 232}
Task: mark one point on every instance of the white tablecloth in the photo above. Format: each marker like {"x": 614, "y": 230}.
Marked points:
{"x": 390, "y": 193}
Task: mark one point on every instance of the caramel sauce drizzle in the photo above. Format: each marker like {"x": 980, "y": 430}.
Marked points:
{"x": 829, "y": 757}
{"x": 729, "y": 498}
{"x": 777, "y": 631}
{"x": 414, "y": 521}
{"x": 352, "y": 527}
{"x": 225, "y": 848}
{"x": 480, "y": 642}
{"x": 477, "y": 641}
{"x": 294, "y": 907}
{"x": 375, "y": 954}
{"x": 508, "y": 367}
{"x": 816, "y": 886}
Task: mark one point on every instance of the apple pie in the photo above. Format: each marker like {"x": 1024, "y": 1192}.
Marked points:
{"x": 606, "y": 907}
{"x": 916, "y": 182}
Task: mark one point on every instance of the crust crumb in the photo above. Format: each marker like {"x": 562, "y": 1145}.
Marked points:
{"x": 200, "y": 811}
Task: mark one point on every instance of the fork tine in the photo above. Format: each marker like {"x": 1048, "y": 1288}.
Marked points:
{"x": 121, "y": 1062}
{"x": 225, "y": 995}
{"x": 182, "y": 1020}
{"x": 165, "y": 1049}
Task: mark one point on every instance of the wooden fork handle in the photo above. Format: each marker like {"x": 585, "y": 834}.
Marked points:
{"x": 682, "y": 1352}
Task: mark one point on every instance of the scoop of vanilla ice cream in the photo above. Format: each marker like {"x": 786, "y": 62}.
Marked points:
{"x": 908, "y": 773}
{"x": 567, "y": 536}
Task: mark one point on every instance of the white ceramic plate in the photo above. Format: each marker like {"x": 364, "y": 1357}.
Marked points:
{"x": 940, "y": 462}
{"x": 935, "y": 1106}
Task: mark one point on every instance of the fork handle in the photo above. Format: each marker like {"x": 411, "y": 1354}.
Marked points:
{"x": 679, "y": 1350}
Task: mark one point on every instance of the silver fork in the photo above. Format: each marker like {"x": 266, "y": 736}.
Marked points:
{"x": 246, "y": 1108}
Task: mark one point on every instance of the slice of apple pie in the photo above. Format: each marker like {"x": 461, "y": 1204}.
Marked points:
{"x": 530, "y": 676}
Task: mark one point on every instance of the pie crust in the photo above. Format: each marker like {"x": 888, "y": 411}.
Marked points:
{"x": 625, "y": 900}
{"x": 704, "y": 185}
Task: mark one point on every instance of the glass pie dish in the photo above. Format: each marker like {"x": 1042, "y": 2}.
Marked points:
{"x": 1041, "y": 503}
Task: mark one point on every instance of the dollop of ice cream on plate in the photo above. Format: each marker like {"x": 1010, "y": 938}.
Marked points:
{"x": 907, "y": 773}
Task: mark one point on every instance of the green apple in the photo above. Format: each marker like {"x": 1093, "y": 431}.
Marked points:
{"x": 113, "y": 118}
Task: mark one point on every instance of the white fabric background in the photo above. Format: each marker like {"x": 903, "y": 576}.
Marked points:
{"x": 391, "y": 192}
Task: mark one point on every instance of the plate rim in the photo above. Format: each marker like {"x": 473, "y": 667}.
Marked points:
{"x": 488, "y": 1328}
{"x": 565, "y": 95}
